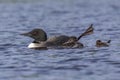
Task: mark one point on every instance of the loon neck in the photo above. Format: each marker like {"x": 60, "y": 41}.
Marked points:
{"x": 35, "y": 41}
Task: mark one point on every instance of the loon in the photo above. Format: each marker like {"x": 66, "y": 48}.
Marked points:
{"x": 41, "y": 41}
{"x": 99, "y": 43}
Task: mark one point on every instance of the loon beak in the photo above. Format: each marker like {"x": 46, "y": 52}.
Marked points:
{"x": 26, "y": 34}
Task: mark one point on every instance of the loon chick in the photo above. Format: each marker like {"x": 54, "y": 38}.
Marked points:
{"x": 99, "y": 43}
{"x": 73, "y": 41}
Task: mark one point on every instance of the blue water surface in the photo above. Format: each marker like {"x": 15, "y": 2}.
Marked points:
{"x": 57, "y": 17}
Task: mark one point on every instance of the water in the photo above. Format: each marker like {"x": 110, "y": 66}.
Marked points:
{"x": 56, "y": 17}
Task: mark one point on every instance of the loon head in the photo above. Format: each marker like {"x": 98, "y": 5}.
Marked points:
{"x": 37, "y": 34}
{"x": 98, "y": 41}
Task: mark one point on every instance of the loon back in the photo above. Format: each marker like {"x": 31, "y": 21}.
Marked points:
{"x": 57, "y": 40}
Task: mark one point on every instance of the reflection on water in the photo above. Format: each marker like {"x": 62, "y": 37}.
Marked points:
{"x": 68, "y": 17}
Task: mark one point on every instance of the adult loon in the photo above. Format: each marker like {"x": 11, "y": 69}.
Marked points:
{"x": 41, "y": 41}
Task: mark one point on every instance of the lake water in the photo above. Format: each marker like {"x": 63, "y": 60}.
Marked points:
{"x": 56, "y": 17}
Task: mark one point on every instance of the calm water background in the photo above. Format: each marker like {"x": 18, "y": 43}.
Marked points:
{"x": 56, "y": 17}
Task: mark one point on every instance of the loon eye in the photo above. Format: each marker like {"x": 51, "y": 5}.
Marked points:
{"x": 34, "y": 32}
